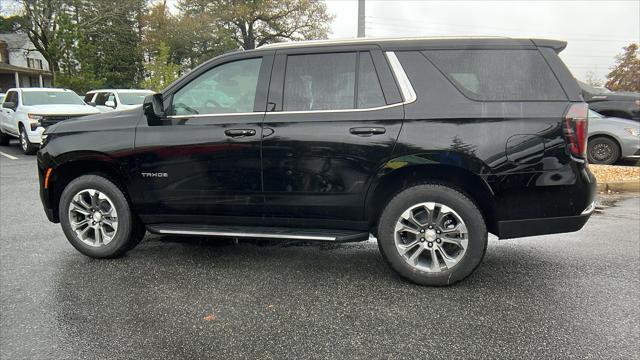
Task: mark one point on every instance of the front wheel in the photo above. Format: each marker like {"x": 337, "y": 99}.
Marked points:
{"x": 432, "y": 234}
{"x": 27, "y": 147}
{"x": 96, "y": 218}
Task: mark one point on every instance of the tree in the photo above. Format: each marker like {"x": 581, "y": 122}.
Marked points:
{"x": 252, "y": 23}
{"x": 625, "y": 75}
{"x": 161, "y": 72}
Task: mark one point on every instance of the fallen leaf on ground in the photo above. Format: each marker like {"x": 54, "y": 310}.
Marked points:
{"x": 210, "y": 317}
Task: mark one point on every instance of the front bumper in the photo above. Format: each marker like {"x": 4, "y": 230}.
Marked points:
{"x": 35, "y": 136}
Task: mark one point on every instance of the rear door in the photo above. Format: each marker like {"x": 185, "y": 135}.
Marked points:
{"x": 335, "y": 114}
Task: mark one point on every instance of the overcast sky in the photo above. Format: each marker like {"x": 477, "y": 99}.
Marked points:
{"x": 595, "y": 30}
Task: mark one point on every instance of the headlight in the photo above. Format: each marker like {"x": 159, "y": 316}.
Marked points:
{"x": 34, "y": 120}
{"x": 632, "y": 131}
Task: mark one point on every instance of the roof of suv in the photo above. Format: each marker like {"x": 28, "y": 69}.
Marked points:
{"x": 426, "y": 42}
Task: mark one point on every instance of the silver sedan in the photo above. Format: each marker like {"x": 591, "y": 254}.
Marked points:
{"x": 612, "y": 139}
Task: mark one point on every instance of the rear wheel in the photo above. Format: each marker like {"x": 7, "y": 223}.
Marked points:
{"x": 96, "y": 218}
{"x": 27, "y": 147}
{"x": 432, "y": 234}
{"x": 603, "y": 150}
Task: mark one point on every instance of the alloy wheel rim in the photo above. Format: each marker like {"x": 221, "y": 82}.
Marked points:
{"x": 601, "y": 152}
{"x": 431, "y": 237}
{"x": 93, "y": 217}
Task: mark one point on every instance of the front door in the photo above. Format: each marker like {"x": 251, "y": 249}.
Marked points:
{"x": 204, "y": 159}
{"x": 336, "y": 116}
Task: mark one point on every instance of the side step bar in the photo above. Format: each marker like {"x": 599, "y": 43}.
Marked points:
{"x": 261, "y": 232}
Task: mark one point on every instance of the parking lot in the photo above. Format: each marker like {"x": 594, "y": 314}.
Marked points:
{"x": 561, "y": 296}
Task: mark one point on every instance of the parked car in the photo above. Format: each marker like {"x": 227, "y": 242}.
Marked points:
{"x": 428, "y": 144}
{"x": 116, "y": 99}
{"x": 612, "y": 139}
{"x": 624, "y": 105}
{"x": 26, "y": 112}
{"x": 1, "y": 97}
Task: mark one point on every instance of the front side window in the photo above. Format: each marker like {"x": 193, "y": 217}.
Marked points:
{"x": 101, "y": 98}
{"x": 227, "y": 88}
{"x": 50, "y": 97}
{"x": 319, "y": 82}
{"x": 11, "y": 96}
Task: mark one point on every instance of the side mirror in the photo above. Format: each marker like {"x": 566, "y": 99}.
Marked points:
{"x": 110, "y": 103}
{"x": 153, "y": 108}
{"x": 9, "y": 105}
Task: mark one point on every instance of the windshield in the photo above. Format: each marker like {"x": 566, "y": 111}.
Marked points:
{"x": 50, "y": 98}
{"x": 133, "y": 98}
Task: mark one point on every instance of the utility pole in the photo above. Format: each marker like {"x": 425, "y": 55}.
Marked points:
{"x": 361, "y": 18}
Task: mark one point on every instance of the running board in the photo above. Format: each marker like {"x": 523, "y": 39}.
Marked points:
{"x": 261, "y": 232}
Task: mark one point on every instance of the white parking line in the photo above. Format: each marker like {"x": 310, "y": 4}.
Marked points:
{"x": 8, "y": 156}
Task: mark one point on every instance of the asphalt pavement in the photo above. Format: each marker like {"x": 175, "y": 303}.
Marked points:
{"x": 561, "y": 296}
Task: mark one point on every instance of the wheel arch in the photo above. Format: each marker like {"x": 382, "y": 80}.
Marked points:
{"x": 463, "y": 173}
{"x": 73, "y": 165}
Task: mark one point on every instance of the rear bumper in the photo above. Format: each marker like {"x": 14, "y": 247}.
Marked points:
{"x": 544, "y": 226}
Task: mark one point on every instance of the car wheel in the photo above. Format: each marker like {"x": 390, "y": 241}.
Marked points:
{"x": 432, "y": 234}
{"x": 4, "y": 138}
{"x": 603, "y": 150}
{"x": 27, "y": 147}
{"x": 96, "y": 218}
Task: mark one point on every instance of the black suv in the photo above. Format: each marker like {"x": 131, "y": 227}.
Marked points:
{"x": 428, "y": 144}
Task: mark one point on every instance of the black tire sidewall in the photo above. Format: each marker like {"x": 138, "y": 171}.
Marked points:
{"x": 120, "y": 242}
{"x": 454, "y": 199}
{"x": 30, "y": 150}
{"x": 603, "y": 140}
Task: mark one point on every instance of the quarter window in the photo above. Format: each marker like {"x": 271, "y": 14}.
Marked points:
{"x": 369, "y": 90}
{"x": 228, "y": 88}
{"x": 319, "y": 82}
{"x": 499, "y": 75}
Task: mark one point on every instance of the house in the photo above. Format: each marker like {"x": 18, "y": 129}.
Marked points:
{"x": 21, "y": 65}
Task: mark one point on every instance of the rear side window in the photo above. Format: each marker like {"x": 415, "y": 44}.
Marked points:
{"x": 320, "y": 82}
{"x": 88, "y": 97}
{"x": 499, "y": 75}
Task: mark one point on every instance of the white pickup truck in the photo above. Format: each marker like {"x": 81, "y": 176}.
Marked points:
{"x": 26, "y": 112}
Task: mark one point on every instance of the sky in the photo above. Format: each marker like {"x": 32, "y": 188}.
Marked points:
{"x": 595, "y": 31}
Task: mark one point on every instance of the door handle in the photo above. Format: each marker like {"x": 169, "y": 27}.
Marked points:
{"x": 239, "y": 132}
{"x": 367, "y": 131}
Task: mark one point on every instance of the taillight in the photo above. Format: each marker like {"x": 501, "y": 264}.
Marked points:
{"x": 575, "y": 129}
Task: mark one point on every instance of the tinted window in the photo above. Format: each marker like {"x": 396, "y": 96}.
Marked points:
{"x": 88, "y": 97}
{"x": 320, "y": 82}
{"x": 369, "y": 90}
{"x": 228, "y": 88}
{"x": 101, "y": 98}
{"x": 51, "y": 97}
{"x": 11, "y": 96}
{"x": 499, "y": 75}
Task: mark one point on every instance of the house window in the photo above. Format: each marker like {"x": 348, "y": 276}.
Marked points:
{"x": 34, "y": 81}
{"x": 34, "y": 63}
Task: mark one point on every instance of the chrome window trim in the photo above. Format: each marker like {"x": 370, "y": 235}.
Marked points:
{"x": 408, "y": 95}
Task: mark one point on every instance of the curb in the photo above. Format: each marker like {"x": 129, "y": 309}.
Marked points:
{"x": 620, "y": 186}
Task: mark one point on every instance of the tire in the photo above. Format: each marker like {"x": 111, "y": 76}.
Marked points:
{"x": 27, "y": 147}
{"x": 114, "y": 240}
{"x": 4, "y": 138}
{"x": 458, "y": 212}
{"x": 603, "y": 151}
